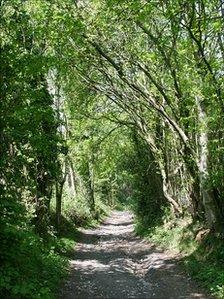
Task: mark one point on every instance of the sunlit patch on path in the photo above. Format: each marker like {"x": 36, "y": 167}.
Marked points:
{"x": 110, "y": 262}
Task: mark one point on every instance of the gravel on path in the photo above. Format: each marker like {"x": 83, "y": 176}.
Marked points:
{"x": 111, "y": 262}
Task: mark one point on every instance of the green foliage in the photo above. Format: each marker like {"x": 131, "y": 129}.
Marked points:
{"x": 30, "y": 268}
{"x": 171, "y": 233}
{"x": 209, "y": 258}
{"x": 77, "y": 213}
{"x": 144, "y": 183}
{"x": 202, "y": 258}
{"x": 111, "y": 102}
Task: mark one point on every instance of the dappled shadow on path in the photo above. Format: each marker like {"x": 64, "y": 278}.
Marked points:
{"x": 111, "y": 262}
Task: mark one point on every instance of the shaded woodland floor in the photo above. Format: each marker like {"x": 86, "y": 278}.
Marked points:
{"x": 111, "y": 262}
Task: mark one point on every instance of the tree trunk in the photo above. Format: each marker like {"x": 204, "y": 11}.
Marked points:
{"x": 91, "y": 185}
{"x": 59, "y": 191}
{"x": 42, "y": 198}
{"x": 174, "y": 204}
{"x": 207, "y": 199}
{"x": 72, "y": 182}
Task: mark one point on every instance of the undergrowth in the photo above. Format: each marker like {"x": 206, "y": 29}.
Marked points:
{"x": 32, "y": 267}
{"x": 202, "y": 252}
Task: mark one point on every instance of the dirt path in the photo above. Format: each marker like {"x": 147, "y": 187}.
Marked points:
{"x": 110, "y": 262}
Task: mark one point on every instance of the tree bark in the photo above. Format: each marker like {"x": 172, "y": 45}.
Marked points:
{"x": 207, "y": 199}
{"x": 90, "y": 183}
{"x": 59, "y": 191}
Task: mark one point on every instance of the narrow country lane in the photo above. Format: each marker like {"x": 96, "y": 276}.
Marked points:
{"x": 110, "y": 262}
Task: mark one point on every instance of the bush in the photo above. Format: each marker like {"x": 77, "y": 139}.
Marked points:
{"x": 202, "y": 259}
{"x": 30, "y": 267}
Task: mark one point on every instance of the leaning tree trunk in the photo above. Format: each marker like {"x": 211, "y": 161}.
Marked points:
{"x": 158, "y": 159}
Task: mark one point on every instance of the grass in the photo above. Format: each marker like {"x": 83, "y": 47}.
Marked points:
{"x": 32, "y": 267}
{"x": 202, "y": 252}
{"x": 206, "y": 264}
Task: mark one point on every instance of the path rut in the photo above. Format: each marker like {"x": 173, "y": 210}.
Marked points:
{"x": 110, "y": 262}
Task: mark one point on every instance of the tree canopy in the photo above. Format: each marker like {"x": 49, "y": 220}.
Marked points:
{"x": 108, "y": 101}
